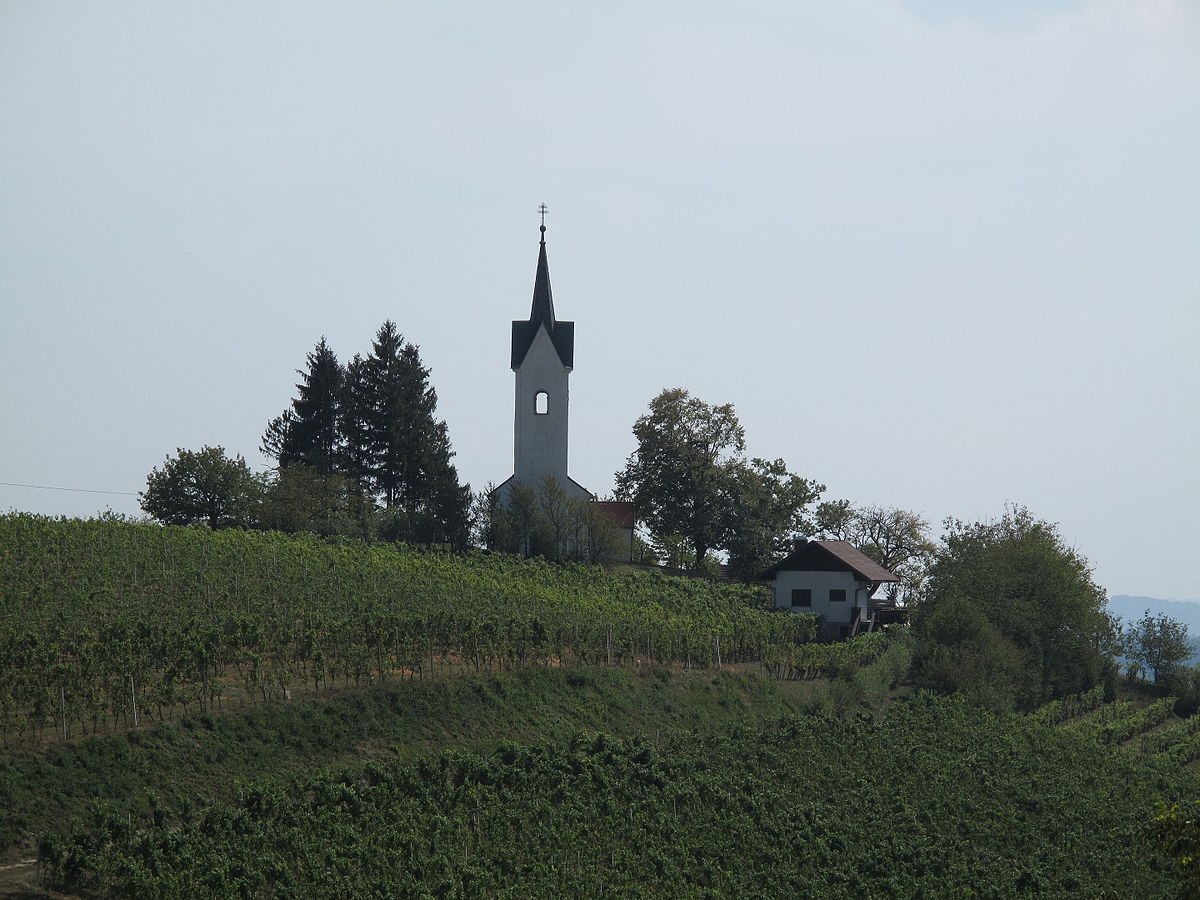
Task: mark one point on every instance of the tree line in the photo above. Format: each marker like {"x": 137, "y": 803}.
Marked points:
{"x": 359, "y": 452}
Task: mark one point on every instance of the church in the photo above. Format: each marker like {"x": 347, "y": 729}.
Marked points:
{"x": 543, "y": 356}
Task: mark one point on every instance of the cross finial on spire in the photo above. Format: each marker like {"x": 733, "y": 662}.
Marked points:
{"x": 542, "y": 210}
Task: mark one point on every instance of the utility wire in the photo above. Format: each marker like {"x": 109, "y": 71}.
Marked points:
{"x": 47, "y": 487}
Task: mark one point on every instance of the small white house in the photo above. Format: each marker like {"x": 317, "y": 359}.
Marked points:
{"x": 833, "y": 580}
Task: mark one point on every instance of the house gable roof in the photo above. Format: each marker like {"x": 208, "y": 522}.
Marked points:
{"x": 541, "y": 315}
{"x": 830, "y": 556}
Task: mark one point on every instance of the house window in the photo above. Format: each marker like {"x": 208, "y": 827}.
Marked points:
{"x": 837, "y": 595}
{"x": 801, "y": 597}
{"x": 541, "y": 403}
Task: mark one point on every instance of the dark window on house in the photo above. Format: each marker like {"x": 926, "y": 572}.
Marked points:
{"x": 801, "y": 597}
{"x": 837, "y": 595}
{"x": 541, "y": 403}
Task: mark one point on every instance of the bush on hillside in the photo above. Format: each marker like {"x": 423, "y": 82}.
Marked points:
{"x": 1012, "y": 617}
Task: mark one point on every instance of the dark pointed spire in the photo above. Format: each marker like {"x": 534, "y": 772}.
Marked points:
{"x": 542, "y": 313}
{"x": 543, "y": 300}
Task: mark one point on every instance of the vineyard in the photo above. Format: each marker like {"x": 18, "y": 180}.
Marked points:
{"x": 108, "y": 623}
{"x": 808, "y": 806}
{"x": 698, "y": 781}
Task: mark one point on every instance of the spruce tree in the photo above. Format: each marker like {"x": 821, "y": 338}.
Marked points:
{"x": 356, "y": 418}
{"x": 408, "y": 449}
{"x": 373, "y": 422}
{"x": 309, "y": 432}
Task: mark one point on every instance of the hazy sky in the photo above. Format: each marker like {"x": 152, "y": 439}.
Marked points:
{"x": 939, "y": 255}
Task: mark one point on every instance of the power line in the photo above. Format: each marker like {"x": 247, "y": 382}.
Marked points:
{"x": 47, "y": 487}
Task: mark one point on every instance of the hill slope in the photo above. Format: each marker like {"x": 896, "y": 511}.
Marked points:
{"x": 934, "y": 799}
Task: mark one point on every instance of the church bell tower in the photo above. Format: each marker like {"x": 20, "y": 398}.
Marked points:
{"x": 543, "y": 354}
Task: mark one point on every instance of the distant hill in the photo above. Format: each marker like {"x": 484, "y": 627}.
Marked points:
{"x": 1131, "y": 609}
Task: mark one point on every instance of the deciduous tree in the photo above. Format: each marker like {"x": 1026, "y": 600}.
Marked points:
{"x": 677, "y": 476}
{"x": 203, "y": 486}
{"x": 299, "y": 498}
{"x": 765, "y": 506}
{"x": 1034, "y": 591}
{"x": 688, "y": 477}
{"x": 1160, "y": 643}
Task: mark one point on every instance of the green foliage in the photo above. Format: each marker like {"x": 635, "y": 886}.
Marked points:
{"x": 1012, "y": 615}
{"x": 408, "y": 450}
{"x": 1160, "y": 643}
{"x": 1058, "y": 711}
{"x": 963, "y": 652}
{"x": 300, "y": 498}
{"x": 966, "y": 814}
{"x": 1176, "y": 832}
{"x": 374, "y": 423}
{"x": 1184, "y": 683}
{"x": 202, "y": 487}
{"x": 1183, "y": 746}
{"x": 356, "y": 419}
{"x": 1135, "y": 721}
{"x": 807, "y": 661}
{"x": 676, "y": 476}
{"x": 85, "y": 631}
{"x": 1171, "y": 737}
{"x": 863, "y": 678}
{"x": 765, "y": 507}
{"x": 200, "y": 761}
{"x": 689, "y": 479}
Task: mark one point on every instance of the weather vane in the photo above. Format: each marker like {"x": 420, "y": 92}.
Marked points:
{"x": 542, "y": 210}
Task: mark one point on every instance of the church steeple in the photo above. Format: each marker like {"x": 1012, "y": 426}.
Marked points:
{"x": 541, "y": 315}
{"x": 543, "y": 353}
{"x": 543, "y": 300}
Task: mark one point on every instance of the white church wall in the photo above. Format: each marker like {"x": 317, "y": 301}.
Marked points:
{"x": 541, "y": 438}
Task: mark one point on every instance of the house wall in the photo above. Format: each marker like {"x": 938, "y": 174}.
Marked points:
{"x": 540, "y": 440}
{"x": 820, "y": 583}
{"x": 623, "y": 552}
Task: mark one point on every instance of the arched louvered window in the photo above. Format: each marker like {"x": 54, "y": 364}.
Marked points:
{"x": 541, "y": 403}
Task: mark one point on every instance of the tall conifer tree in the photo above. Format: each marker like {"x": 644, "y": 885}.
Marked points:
{"x": 373, "y": 421}
{"x": 401, "y": 423}
{"x": 309, "y": 432}
{"x": 409, "y": 448}
{"x": 356, "y": 418}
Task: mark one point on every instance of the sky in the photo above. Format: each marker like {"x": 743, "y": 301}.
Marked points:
{"x": 943, "y": 256}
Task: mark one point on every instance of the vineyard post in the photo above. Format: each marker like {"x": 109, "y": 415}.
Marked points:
{"x": 62, "y": 706}
{"x": 718, "y": 651}
{"x": 133, "y": 697}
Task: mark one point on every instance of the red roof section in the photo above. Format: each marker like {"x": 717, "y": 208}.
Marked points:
{"x": 619, "y": 512}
